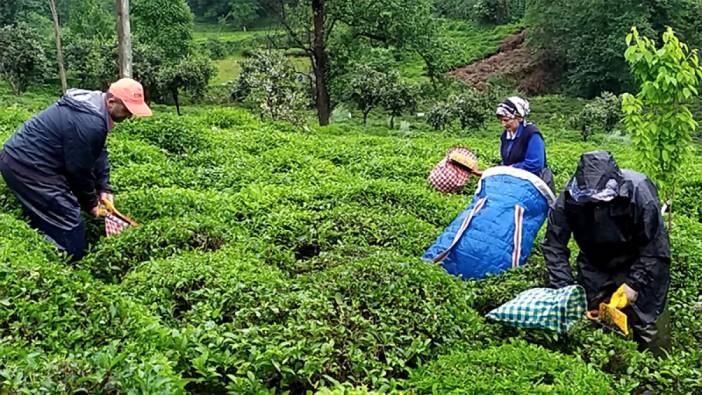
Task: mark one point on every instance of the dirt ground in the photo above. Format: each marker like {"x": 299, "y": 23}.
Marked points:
{"x": 512, "y": 63}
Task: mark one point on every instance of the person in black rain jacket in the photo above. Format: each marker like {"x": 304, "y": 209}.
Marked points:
{"x": 615, "y": 218}
{"x": 56, "y": 163}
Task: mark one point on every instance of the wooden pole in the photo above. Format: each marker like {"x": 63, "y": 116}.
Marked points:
{"x": 59, "y": 50}
{"x": 124, "y": 39}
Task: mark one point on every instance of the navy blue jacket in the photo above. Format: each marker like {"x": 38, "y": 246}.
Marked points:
{"x": 64, "y": 147}
{"x": 526, "y": 151}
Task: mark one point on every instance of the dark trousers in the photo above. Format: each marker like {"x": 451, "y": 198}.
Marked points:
{"x": 72, "y": 241}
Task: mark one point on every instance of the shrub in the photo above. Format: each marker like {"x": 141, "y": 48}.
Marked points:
{"x": 61, "y": 331}
{"x": 22, "y": 59}
{"x": 511, "y": 368}
{"x": 12, "y": 118}
{"x": 110, "y": 369}
{"x": 365, "y": 322}
{"x": 125, "y": 151}
{"x": 227, "y": 286}
{"x": 687, "y": 201}
{"x": 116, "y": 255}
{"x": 471, "y": 108}
{"x": 269, "y": 260}
{"x": 271, "y": 85}
{"x": 602, "y": 114}
{"x": 173, "y": 134}
{"x": 215, "y": 48}
{"x": 227, "y": 118}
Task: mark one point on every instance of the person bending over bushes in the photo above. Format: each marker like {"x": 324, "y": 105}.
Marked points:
{"x": 615, "y": 217}
{"x": 57, "y": 161}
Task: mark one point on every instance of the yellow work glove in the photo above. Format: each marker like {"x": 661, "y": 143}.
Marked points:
{"x": 623, "y": 297}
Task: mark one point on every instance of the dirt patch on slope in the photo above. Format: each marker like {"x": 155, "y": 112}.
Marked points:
{"x": 513, "y": 63}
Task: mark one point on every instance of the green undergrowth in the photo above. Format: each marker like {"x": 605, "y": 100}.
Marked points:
{"x": 271, "y": 260}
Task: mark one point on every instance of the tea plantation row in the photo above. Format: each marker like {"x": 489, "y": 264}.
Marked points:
{"x": 270, "y": 260}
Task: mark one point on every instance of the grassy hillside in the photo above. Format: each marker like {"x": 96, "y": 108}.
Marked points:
{"x": 467, "y": 43}
{"x": 272, "y": 260}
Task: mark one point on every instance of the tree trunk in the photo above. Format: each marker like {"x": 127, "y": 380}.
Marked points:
{"x": 124, "y": 38}
{"x": 320, "y": 64}
{"x": 365, "y": 117}
{"x": 175, "y": 99}
{"x": 392, "y": 121}
{"x": 670, "y": 209}
{"x": 59, "y": 50}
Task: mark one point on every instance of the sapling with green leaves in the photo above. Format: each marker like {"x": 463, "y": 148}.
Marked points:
{"x": 658, "y": 116}
{"x": 368, "y": 88}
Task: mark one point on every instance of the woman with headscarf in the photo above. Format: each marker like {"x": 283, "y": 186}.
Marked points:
{"x": 522, "y": 145}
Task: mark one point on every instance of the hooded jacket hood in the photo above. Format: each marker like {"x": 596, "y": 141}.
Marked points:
{"x": 89, "y": 102}
{"x": 597, "y": 178}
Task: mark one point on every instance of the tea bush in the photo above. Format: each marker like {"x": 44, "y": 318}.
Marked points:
{"x": 61, "y": 331}
{"x": 172, "y": 133}
{"x": 114, "y": 257}
{"x": 226, "y": 118}
{"x": 270, "y": 260}
{"x": 11, "y": 118}
{"x": 364, "y": 322}
{"x": 515, "y": 368}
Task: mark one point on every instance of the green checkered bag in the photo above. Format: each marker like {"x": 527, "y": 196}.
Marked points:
{"x": 545, "y": 308}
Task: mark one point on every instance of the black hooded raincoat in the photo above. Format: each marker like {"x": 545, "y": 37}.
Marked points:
{"x": 615, "y": 218}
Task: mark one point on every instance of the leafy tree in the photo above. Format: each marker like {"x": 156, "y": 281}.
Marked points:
{"x": 167, "y": 24}
{"x": 15, "y": 11}
{"x": 470, "y": 107}
{"x": 312, "y": 26}
{"x": 498, "y": 11}
{"x": 90, "y": 61}
{"x": 456, "y": 9}
{"x": 149, "y": 60}
{"x": 308, "y": 25}
{"x": 270, "y": 84}
{"x": 241, "y": 13}
{"x": 236, "y": 13}
{"x": 91, "y": 18}
{"x": 367, "y": 89}
{"x": 440, "y": 116}
{"x": 602, "y": 114}
{"x": 658, "y": 117}
{"x": 191, "y": 74}
{"x": 398, "y": 97}
{"x": 22, "y": 58}
{"x": 409, "y": 25}
{"x": 585, "y": 37}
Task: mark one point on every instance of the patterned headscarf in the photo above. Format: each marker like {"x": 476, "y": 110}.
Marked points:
{"x": 513, "y": 107}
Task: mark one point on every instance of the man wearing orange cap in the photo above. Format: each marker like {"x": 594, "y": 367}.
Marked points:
{"x": 56, "y": 163}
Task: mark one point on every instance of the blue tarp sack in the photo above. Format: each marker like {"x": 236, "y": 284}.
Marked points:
{"x": 497, "y": 230}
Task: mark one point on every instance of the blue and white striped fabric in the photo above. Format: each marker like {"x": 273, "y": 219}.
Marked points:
{"x": 497, "y": 230}
{"x": 544, "y": 308}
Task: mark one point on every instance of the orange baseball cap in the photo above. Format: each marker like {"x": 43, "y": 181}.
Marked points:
{"x": 132, "y": 95}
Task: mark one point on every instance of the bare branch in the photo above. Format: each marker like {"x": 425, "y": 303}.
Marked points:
{"x": 277, "y": 7}
{"x": 371, "y": 36}
{"x": 330, "y": 28}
